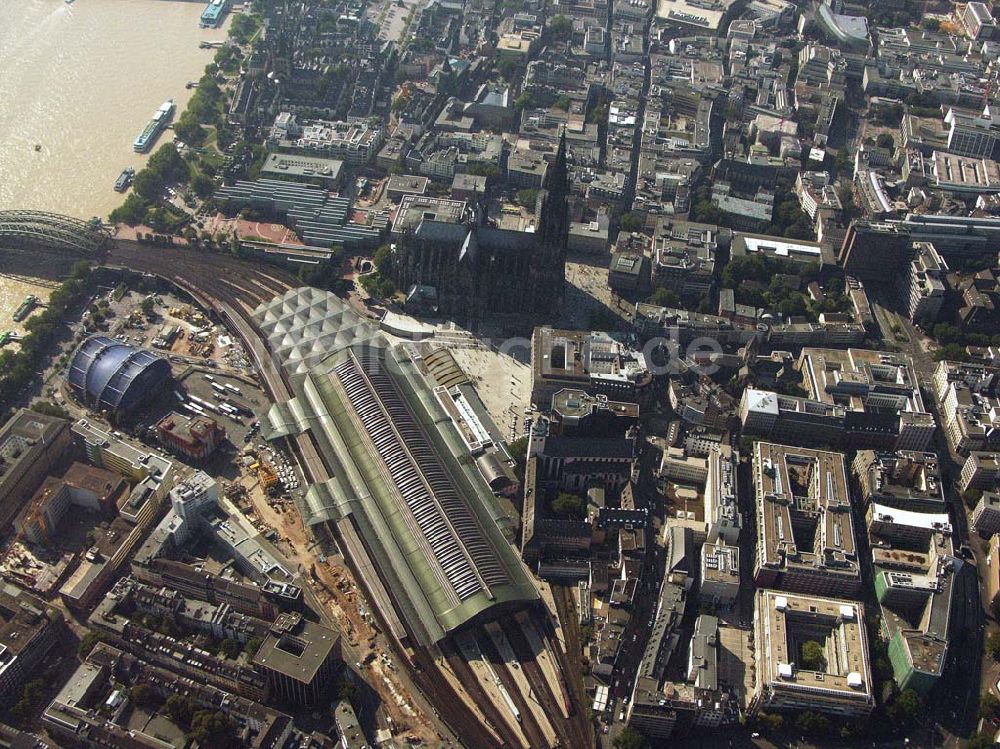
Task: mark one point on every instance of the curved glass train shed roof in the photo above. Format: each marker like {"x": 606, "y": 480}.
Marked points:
{"x": 108, "y": 375}
{"x": 400, "y": 471}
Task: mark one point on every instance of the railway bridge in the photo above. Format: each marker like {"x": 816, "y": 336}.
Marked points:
{"x": 53, "y": 231}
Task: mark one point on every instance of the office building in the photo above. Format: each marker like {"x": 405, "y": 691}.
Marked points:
{"x": 875, "y": 251}
{"x": 960, "y": 236}
{"x": 628, "y": 273}
{"x": 905, "y": 479}
{"x": 722, "y": 514}
{"x": 300, "y": 168}
{"x": 969, "y": 403}
{"x": 299, "y": 658}
{"x": 720, "y": 574}
{"x": 840, "y": 684}
{"x": 915, "y": 594}
{"x": 28, "y": 630}
{"x": 684, "y": 256}
{"x": 978, "y": 21}
{"x": 104, "y": 450}
{"x": 351, "y": 734}
{"x": 192, "y": 437}
{"x": 858, "y": 398}
{"x": 32, "y": 447}
{"x": 905, "y": 528}
{"x": 805, "y": 531}
{"x": 350, "y": 142}
{"x": 82, "y": 486}
{"x": 700, "y": 699}
{"x": 590, "y": 361}
{"x": 970, "y": 134}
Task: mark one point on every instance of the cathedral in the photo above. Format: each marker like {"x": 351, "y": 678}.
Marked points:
{"x": 473, "y": 271}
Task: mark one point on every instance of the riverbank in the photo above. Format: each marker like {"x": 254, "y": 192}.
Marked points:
{"x": 80, "y": 81}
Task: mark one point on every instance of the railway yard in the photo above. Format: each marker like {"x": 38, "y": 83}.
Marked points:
{"x": 496, "y": 685}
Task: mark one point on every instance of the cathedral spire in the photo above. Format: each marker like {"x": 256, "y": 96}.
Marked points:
{"x": 554, "y": 221}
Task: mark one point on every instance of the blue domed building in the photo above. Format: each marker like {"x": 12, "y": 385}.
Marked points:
{"x": 108, "y": 375}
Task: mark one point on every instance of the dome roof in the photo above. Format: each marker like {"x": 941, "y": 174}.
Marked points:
{"x": 109, "y": 375}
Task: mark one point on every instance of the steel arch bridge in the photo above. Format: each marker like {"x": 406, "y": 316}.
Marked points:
{"x": 53, "y": 231}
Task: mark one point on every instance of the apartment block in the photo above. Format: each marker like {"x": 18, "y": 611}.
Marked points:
{"x": 980, "y": 471}
{"x": 923, "y": 284}
{"x": 986, "y": 515}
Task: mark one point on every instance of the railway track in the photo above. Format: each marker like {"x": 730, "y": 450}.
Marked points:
{"x": 529, "y": 724}
{"x": 463, "y": 671}
{"x": 568, "y": 663}
{"x": 576, "y": 730}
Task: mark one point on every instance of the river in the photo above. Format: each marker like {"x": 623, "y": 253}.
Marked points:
{"x": 81, "y": 80}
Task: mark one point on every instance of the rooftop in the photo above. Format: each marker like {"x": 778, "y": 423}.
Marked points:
{"x": 804, "y": 510}
{"x": 296, "y": 647}
{"x": 786, "y": 621}
{"x": 429, "y": 518}
{"x": 414, "y": 209}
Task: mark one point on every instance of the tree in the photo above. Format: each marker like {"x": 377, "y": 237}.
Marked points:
{"x": 525, "y": 101}
{"x": 510, "y": 69}
{"x": 181, "y": 709}
{"x": 563, "y": 102}
{"x": 252, "y": 646}
{"x": 31, "y": 695}
{"x": 931, "y": 24}
{"x": 568, "y": 506}
{"x": 885, "y": 140}
{"x": 905, "y": 708}
{"x": 843, "y": 160}
{"x": 770, "y": 722}
{"x": 980, "y": 741}
{"x": 345, "y": 690}
{"x": 189, "y": 130}
{"x": 87, "y": 643}
{"x": 131, "y": 212}
{"x": 632, "y": 222}
{"x": 229, "y": 648}
{"x": 211, "y": 728}
{"x": 527, "y": 197}
{"x": 662, "y": 297}
{"x": 142, "y": 695}
{"x": 400, "y": 103}
{"x": 50, "y": 409}
{"x": 812, "y": 724}
{"x": 243, "y": 27}
{"x": 993, "y": 645}
{"x": 147, "y": 185}
{"x": 202, "y": 185}
{"x": 971, "y": 497}
{"x": 813, "y": 657}
{"x": 561, "y": 27}
{"x": 989, "y": 705}
{"x": 518, "y": 450}
{"x": 383, "y": 259}
{"x": 630, "y": 739}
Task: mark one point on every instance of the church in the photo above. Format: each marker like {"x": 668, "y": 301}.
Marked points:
{"x": 472, "y": 271}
